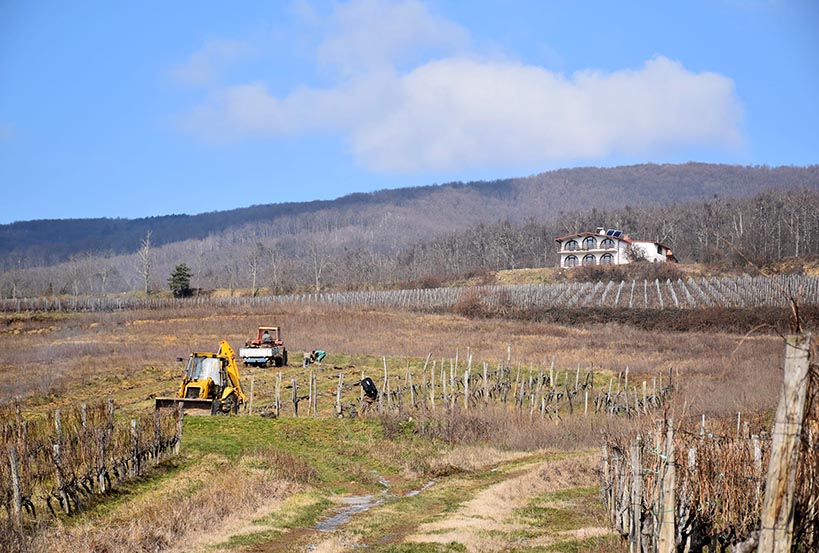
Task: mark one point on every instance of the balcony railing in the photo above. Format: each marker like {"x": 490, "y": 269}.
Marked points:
{"x": 587, "y": 249}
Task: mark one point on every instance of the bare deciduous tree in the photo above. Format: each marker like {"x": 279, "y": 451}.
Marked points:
{"x": 319, "y": 259}
{"x": 144, "y": 254}
{"x": 254, "y": 259}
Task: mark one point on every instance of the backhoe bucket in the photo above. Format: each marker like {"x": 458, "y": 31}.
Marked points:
{"x": 190, "y": 406}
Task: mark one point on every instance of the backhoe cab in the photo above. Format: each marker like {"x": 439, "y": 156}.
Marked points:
{"x": 210, "y": 384}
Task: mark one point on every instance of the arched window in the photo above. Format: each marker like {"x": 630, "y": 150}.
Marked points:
{"x": 589, "y": 259}
{"x": 606, "y": 259}
{"x": 571, "y": 246}
{"x": 571, "y": 261}
{"x": 607, "y": 244}
{"x": 589, "y": 243}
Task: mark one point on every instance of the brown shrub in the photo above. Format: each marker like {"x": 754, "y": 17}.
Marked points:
{"x": 430, "y": 281}
{"x": 470, "y": 303}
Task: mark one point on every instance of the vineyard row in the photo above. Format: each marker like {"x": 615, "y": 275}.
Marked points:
{"x": 678, "y": 488}
{"x": 737, "y": 292}
{"x": 53, "y": 464}
{"x": 551, "y": 393}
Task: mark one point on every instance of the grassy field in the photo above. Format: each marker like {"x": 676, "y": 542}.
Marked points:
{"x": 251, "y": 483}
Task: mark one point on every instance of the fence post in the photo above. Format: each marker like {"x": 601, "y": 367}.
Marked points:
{"x": 412, "y": 389}
{"x": 625, "y": 387}
{"x": 56, "y": 457}
{"x": 667, "y": 537}
{"x": 384, "y": 389}
{"x": 313, "y": 393}
{"x": 338, "y": 394}
{"x": 452, "y": 394}
{"x": 17, "y": 492}
{"x": 136, "y": 465}
{"x": 432, "y": 386}
{"x": 278, "y": 395}
{"x": 635, "y": 529}
{"x": 466, "y": 386}
{"x": 485, "y": 386}
{"x": 179, "y": 415}
{"x": 776, "y": 522}
{"x": 605, "y": 475}
{"x": 250, "y": 400}
{"x": 424, "y": 375}
{"x": 295, "y": 399}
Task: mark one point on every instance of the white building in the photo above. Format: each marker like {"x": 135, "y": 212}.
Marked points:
{"x": 608, "y": 247}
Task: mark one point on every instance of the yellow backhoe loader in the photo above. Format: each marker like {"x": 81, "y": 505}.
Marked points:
{"x": 210, "y": 385}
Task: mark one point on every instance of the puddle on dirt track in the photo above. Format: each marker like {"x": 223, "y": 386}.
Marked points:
{"x": 422, "y": 488}
{"x": 353, "y": 505}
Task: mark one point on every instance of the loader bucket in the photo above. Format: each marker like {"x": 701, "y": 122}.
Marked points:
{"x": 190, "y": 406}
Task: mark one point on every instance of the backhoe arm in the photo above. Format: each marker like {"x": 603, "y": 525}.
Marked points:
{"x": 232, "y": 369}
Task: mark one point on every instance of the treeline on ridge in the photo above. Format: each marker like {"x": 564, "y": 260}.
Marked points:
{"x": 386, "y": 219}
{"x": 770, "y": 226}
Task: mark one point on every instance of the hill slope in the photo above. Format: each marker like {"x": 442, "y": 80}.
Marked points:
{"x": 401, "y": 216}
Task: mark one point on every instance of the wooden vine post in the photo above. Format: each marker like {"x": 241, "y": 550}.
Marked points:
{"x": 278, "y": 395}
{"x": 17, "y": 492}
{"x": 666, "y": 541}
{"x": 178, "y": 444}
{"x": 250, "y": 399}
{"x": 338, "y": 394}
{"x": 466, "y": 389}
{"x": 776, "y": 532}
{"x": 295, "y": 398}
{"x": 384, "y": 390}
{"x": 135, "y": 465}
{"x": 635, "y": 528}
{"x": 313, "y": 393}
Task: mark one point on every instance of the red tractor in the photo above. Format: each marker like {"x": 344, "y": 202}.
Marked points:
{"x": 266, "y": 350}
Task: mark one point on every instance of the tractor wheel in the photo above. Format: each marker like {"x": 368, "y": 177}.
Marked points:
{"x": 231, "y": 405}
{"x": 284, "y": 358}
{"x": 279, "y": 361}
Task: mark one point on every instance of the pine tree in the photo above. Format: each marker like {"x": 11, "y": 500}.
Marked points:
{"x": 180, "y": 281}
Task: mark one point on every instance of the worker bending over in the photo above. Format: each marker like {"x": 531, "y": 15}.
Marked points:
{"x": 314, "y": 357}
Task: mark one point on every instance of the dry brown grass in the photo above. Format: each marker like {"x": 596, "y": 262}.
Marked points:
{"x": 130, "y": 355}
{"x": 486, "y": 522}
{"x": 55, "y": 360}
{"x": 176, "y": 511}
{"x": 516, "y": 431}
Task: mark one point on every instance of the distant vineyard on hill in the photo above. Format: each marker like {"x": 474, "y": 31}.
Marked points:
{"x": 744, "y": 292}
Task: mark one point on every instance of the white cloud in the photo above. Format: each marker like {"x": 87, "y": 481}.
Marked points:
{"x": 458, "y": 112}
{"x": 205, "y": 65}
{"x": 375, "y": 34}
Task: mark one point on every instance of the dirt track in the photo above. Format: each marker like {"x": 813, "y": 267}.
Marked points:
{"x": 494, "y": 510}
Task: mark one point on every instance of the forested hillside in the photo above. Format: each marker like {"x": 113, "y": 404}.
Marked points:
{"x": 421, "y": 236}
{"x": 405, "y": 215}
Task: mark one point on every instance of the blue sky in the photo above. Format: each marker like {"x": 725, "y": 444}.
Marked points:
{"x": 115, "y": 109}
